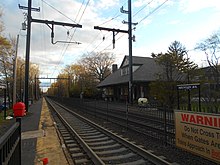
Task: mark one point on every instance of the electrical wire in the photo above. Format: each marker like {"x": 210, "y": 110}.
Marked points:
{"x": 58, "y": 10}
{"x": 96, "y": 36}
{"x": 79, "y": 9}
{"x": 116, "y": 16}
{"x": 158, "y": 7}
{"x": 106, "y": 22}
{"x": 71, "y": 37}
{"x": 138, "y": 22}
{"x": 110, "y": 19}
{"x": 143, "y": 8}
{"x": 63, "y": 49}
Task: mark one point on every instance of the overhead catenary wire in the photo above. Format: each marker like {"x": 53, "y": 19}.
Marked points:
{"x": 44, "y": 2}
{"x": 115, "y": 18}
{"x": 122, "y": 34}
{"x": 65, "y": 47}
{"x": 158, "y": 7}
{"x": 57, "y": 10}
{"x": 71, "y": 37}
{"x": 108, "y": 21}
{"x": 143, "y": 8}
{"x": 43, "y": 43}
{"x": 116, "y": 15}
{"x": 79, "y": 10}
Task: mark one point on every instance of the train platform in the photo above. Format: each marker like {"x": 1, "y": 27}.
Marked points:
{"x": 40, "y": 141}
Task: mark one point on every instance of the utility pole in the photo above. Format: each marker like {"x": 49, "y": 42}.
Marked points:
{"x": 35, "y": 87}
{"x": 130, "y": 83}
{"x": 27, "y": 57}
{"x": 29, "y": 20}
{"x": 130, "y": 38}
{"x": 15, "y": 72}
{"x": 130, "y": 53}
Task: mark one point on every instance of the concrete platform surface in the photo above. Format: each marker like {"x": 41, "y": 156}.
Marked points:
{"x": 39, "y": 137}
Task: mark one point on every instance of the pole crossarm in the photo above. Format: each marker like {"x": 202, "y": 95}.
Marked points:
{"x": 126, "y": 22}
{"x": 112, "y": 30}
{"x": 52, "y": 78}
{"x": 124, "y": 11}
{"x": 28, "y": 38}
{"x": 26, "y": 8}
{"x": 55, "y": 23}
{"x": 51, "y": 24}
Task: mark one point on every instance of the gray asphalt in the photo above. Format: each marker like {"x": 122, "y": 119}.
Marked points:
{"x": 30, "y": 123}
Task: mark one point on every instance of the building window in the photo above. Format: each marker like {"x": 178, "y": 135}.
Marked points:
{"x": 135, "y": 67}
{"x": 125, "y": 70}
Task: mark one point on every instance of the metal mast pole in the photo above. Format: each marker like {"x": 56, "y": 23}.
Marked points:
{"x": 130, "y": 52}
{"x": 27, "y": 54}
{"x": 15, "y": 72}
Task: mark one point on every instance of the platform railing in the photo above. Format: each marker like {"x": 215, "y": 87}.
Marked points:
{"x": 10, "y": 145}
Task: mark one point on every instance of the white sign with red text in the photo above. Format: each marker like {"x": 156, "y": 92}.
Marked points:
{"x": 198, "y": 133}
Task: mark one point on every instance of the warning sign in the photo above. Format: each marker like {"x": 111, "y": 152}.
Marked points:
{"x": 198, "y": 133}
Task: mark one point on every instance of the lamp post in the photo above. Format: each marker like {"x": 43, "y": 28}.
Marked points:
{"x": 21, "y": 97}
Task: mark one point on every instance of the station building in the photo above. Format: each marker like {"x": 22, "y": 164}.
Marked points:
{"x": 115, "y": 86}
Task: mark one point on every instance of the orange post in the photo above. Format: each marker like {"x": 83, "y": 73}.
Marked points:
{"x": 45, "y": 161}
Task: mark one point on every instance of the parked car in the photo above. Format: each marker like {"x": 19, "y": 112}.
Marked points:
{"x": 2, "y": 106}
{"x": 143, "y": 102}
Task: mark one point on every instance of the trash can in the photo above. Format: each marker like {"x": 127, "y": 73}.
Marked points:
{"x": 19, "y": 109}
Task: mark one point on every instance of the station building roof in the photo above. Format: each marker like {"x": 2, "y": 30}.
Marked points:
{"x": 145, "y": 69}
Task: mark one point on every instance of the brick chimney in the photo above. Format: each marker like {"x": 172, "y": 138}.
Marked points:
{"x": 114, "y": 68}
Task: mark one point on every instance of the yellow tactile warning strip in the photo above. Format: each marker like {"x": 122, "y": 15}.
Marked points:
{"x": 48, "y": 146}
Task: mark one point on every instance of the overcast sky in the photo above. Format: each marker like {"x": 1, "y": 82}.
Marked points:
{"x": 160, "y": 22}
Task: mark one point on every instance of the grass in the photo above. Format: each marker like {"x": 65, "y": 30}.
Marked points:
{"x": 208, "y": 108}
{"x": 8, "y": 112}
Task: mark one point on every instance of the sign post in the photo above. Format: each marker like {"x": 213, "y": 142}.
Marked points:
{"x": 188, "y": 87}
{"x": 198, "y": 133}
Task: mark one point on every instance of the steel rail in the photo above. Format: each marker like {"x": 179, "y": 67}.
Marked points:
{"x": 133, "y": 121}
{"x": 140, "y": 151}
{"x": 86, "y": 148}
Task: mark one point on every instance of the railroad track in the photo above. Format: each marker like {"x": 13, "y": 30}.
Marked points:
{"x": 149, "y": 124}
{"x": 89, "y": 143}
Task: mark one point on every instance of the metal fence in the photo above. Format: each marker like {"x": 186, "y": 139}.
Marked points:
{"x": 158, "y": 122}
{"x": 10, "y": 145}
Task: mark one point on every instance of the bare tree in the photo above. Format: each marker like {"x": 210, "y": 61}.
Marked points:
{"x": 1, "y": 23}
{"x": 98, "y": 64}
{"x": 211, "y": 48}
{"x": 6, "y": 64}
{"x": 87, "y": 73}
{"x": 77, "y": 75}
